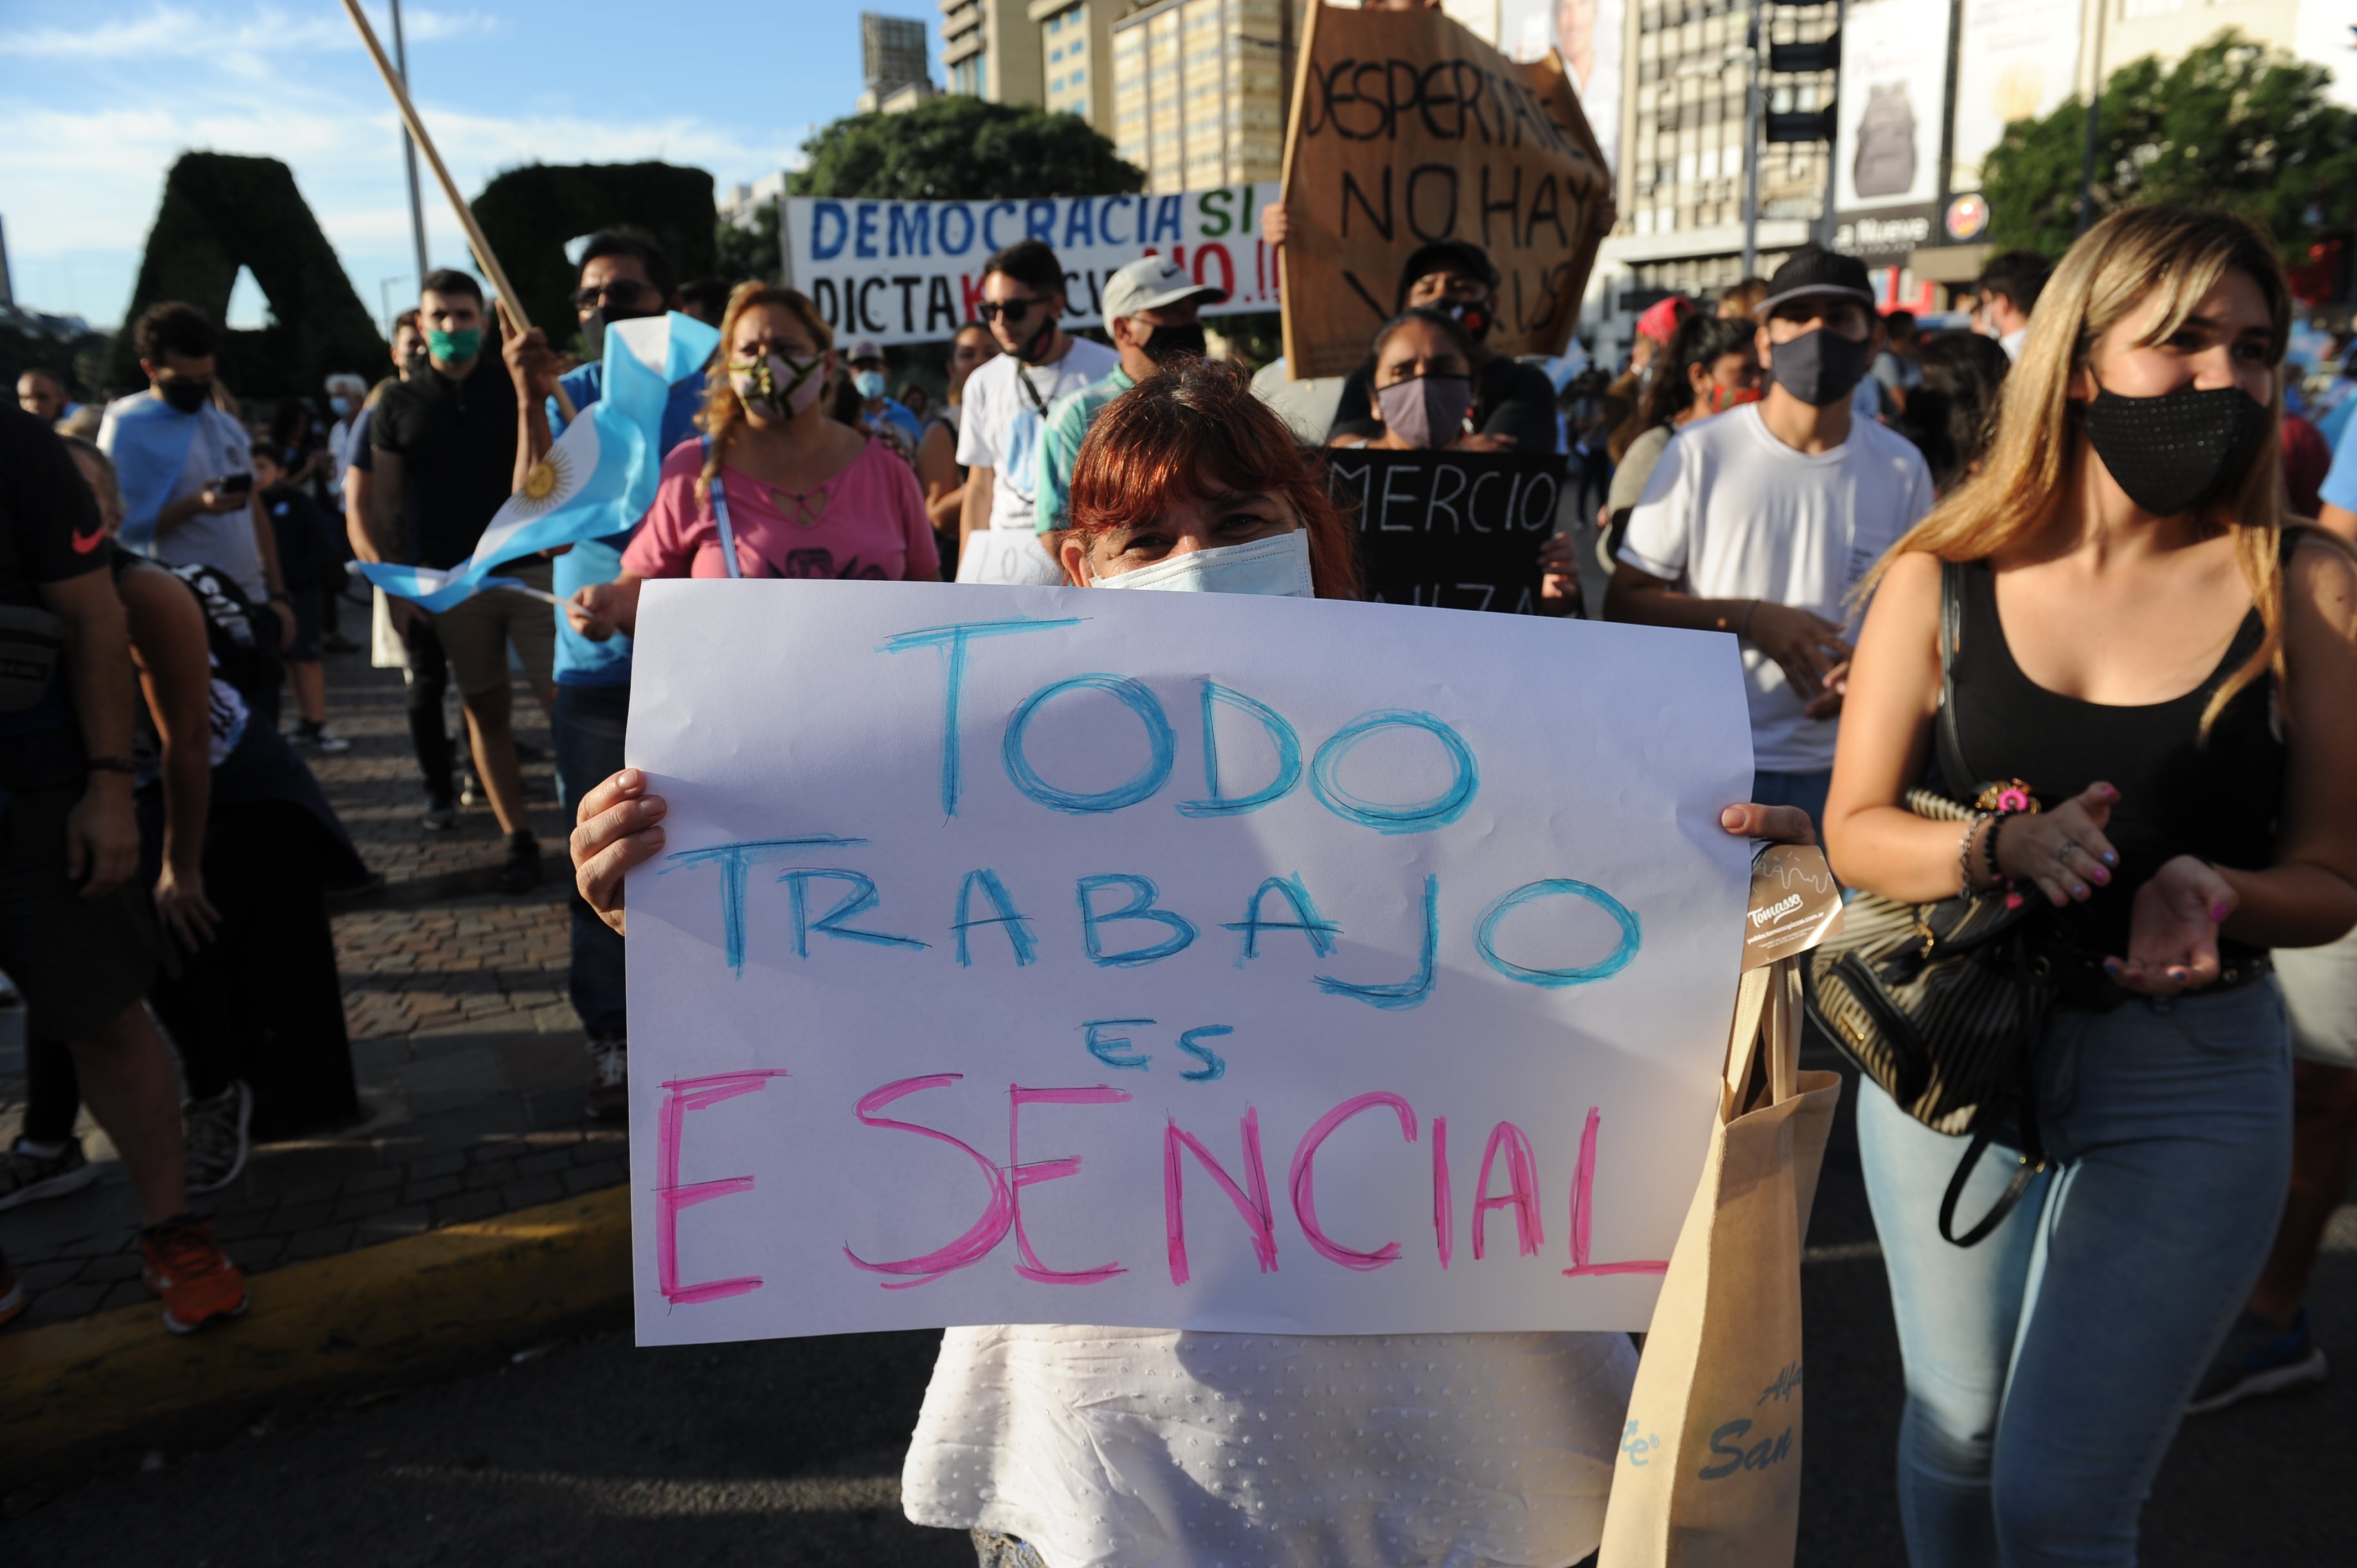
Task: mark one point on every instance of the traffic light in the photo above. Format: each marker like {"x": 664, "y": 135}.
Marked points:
{"x": 1784, "y": 60}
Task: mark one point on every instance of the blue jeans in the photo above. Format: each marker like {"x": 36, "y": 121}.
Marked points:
{"x": 1806, "y": 790}
{"x": 2048, "y": 1367}
{"x": 587, "y": 725}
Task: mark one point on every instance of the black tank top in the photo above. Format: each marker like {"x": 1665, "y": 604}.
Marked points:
{"x": 2180, "y": 793}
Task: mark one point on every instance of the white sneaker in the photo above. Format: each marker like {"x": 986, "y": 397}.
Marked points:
{"x": 215, "y": 1134}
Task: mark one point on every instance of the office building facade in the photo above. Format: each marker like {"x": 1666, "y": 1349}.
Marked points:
{"x": 1201, "y": 90}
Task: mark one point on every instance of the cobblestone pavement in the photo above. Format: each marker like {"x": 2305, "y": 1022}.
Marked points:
{"x": 470, "y": 1057}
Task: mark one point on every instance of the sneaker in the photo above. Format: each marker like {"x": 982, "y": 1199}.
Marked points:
{"x": 182, "y": 1264}
{"x": 521, "y": 873}
{"x": 610, "y": 1080}
{"x": 13, "y": 1297}
{"x": 441, "y": 814}
{"x": 469, "y": 792}
{"x": 26, "y": 1178}
{"x": 215, "y": 1132}
{"x": 318, "y": 737}
{"x": 2258, "y": 1359}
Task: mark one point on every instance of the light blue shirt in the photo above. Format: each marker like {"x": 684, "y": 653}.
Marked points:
{"x": 2339, "y": 486}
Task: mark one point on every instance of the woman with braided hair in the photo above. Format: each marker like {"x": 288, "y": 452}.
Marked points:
{"x": 774, "y": 488}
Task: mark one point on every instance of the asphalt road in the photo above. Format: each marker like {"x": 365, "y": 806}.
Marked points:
{"x": 788, "y": 1452}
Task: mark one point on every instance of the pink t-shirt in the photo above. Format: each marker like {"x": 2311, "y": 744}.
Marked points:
{"x": 872, "y": 525}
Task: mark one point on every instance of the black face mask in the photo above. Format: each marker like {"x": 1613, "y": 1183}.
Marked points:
{"x": 1473, "y": 314}
{"x": 1168, "y": 345}
{"x": 2173, "y": 452}
{"x": 187, "y": 395}
{"x": 594, "y": 325}
{"x": 1820, "y": 366}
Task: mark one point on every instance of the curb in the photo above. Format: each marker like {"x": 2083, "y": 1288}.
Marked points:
{"x": 73, "y": 1391}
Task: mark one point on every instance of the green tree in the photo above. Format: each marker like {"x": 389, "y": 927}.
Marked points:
{"x": 959, "y": 149}
{"x": 742, "y": 253}
{"x": 2230, "y": 126}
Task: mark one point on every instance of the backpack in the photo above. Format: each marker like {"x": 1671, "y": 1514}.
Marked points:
{"x": 1885, "y": 164}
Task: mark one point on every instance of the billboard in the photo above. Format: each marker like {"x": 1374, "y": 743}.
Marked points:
{"x": 1894, "y": 87}
{"x": 2017, "y": 59}
{"x": 1589, "y": 33}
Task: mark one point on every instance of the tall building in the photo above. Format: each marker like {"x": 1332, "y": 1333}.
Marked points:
{"x": 1680, "y": 181}
{"x": 1076, "y": 58}
{"x": 1199, "y": 90}
{"x": 893, "y": 50}
{"x": 991, "y": 49}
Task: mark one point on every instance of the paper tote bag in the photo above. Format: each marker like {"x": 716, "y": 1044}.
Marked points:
{"x": 1709, "y": 1469}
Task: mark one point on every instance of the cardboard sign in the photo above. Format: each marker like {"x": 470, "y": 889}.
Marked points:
{"x": 1170, "y": 960}
{"x": 910, "y": 271}
{"x": 1456, "y": 529}
{"x": 1406, "y": 129}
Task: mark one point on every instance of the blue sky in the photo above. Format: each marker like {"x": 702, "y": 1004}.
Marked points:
{"x": 97, "y": 103}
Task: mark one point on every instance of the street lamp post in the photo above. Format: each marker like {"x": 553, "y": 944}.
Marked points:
{"x": 409, "y": 152}
{"x": 1752, "y": 150}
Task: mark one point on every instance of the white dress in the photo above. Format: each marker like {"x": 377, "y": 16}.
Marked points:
{"x": 1104, "y": 1447}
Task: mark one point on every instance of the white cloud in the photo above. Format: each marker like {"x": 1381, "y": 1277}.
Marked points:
{"x": 185, "y": 36}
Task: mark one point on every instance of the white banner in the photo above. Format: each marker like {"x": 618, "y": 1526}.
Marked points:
{"x": 1894, "y": 94}
{"x": 1024, "y": 955}
{"x": 910, "y": 271}
{"x": 2016, "y": 60}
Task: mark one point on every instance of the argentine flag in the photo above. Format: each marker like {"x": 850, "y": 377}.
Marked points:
{"x": 598, "y": 478}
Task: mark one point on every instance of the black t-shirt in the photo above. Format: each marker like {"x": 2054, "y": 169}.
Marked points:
{"x": 50, "y": 532}
{"x": 1509, "y": 398}
{"x": 457, "y": 442}
{"x": 307, "y": 538}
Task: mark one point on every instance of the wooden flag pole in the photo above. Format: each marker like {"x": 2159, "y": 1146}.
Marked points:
{"x": 510, "y": 301}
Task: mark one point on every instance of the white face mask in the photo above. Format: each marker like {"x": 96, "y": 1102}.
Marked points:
{"x": 1277, "y": 565}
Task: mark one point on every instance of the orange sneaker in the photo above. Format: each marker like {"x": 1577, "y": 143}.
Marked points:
{"x": 184, "y": 1266}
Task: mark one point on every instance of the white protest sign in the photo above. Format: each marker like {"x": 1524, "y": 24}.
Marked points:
{"x": 910, "y": 271}
{"x": 1023, "y": 955}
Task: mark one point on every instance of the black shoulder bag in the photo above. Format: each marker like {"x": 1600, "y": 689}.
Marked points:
{"x": 1942, "y": 1004}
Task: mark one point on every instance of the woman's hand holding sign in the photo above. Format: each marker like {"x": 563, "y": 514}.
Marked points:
{"x": 619, "y": 826}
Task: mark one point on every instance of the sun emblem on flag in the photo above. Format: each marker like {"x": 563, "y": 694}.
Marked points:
{"x": 544, "y": 483}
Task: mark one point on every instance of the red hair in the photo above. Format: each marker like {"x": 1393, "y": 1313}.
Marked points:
{"x": 1196, "y": 431}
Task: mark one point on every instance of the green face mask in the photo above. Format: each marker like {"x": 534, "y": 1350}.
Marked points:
{"x": 452, "y": 347}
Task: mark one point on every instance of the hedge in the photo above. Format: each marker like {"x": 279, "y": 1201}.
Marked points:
{"x": 528, "y": 213}
{"x": 220, "y": 212}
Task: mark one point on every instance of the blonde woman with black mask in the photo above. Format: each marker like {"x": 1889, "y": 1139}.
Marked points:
{"x": 2151, "y": 655}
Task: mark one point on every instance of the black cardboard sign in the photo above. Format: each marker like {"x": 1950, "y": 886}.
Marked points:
{"x": 1455, "y": 530}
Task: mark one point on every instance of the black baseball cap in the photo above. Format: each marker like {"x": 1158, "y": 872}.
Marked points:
{"x": 1812, "y": 269}
{"x": 1458, "y": 255}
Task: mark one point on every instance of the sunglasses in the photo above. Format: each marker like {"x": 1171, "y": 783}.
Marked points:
{"x": 622, "y": 290}
{"x": 1013, "y": 309}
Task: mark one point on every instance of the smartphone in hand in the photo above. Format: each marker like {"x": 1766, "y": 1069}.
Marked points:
{"x": 233, "y": 484}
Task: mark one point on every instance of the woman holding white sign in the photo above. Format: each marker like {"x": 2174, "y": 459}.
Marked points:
{"x": 2156, "y": 669}
{"x": 775, "y": 488}
{"x": 1076, "y": 1446}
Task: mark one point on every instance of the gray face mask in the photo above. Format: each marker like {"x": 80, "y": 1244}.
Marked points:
{"x": 1820, "y": 366}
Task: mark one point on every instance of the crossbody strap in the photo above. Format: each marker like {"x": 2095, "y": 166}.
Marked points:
{"x": 720, "y": 516}
{"x": 2027, "y": 1165}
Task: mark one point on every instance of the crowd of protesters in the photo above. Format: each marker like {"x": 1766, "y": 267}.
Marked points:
{"x": 2101, "y": 472}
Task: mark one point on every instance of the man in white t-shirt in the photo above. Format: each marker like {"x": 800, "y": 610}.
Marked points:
{"x": 182, "y": 463}
{"x": 1005, "y": 407}
{"x": 1761, "y": 521}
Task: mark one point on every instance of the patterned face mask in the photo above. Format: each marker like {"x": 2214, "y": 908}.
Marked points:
{"x": 774, "y": 386}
